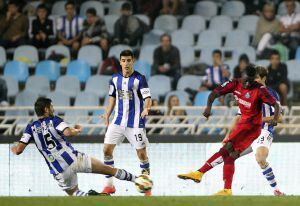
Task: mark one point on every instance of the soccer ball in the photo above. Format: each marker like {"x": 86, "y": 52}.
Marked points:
{"x": 143, "y": 183}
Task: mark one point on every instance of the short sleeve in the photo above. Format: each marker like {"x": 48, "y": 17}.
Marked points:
{"x": 266, "y": 96}
{"x": 59, "y": 24}
{"x": 144, "y": 88}
{"x": 226, "y": 87}
{"x": 59, "y": 124}
{"x": 80, "y": 23}
{"x": 238, "y": 112}
{"x": 27, "y": 135}
{"x": 112, "y": 89}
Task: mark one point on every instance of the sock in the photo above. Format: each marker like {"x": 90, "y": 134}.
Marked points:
{"x": 268, "y": 173}
{"x": 228, "y": 171}
{"x": 214, "y": 160}
{"x": 109, "y": 161}
{"x": 145, "y": 166}
{"x": 124, "y": 175}
{"x": 79, "y": 193}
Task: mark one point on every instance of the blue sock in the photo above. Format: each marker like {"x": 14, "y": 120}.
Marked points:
{"x": 269, "y": 175}
{"x": 145, "y": 166}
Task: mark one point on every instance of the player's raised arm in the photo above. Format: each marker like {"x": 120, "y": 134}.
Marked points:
{"x": 267, "y": 98}
{"x": 225, "y": 88}
{"x": 24, "y": 141}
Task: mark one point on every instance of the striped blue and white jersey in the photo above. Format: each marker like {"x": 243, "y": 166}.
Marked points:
{"x": 130, "y": 93}
{"x": 47, "y": 134}
{"x": 268, "y": 111}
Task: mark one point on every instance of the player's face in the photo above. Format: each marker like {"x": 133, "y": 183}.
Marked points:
{"x": 275, "y": 60}
{"x": 268, "y": 12}
{"x": 246, "y": 80}
{"x": 217, "y": 58}
{"x": 126, "y": 63}
{"x": 290, "y": 6}
{"x": 165, "y": 42}
{"x": 70, "y": 10}
{"x": 90, "y": 18}
{"x": 174, "y": 101}
{"x": 49, "y": 111}
{"x": 42, "y": 13}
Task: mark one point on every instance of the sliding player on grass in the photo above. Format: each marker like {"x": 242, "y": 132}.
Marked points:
{"x": 64, "y": 162}
{"x": 250, "y": 96}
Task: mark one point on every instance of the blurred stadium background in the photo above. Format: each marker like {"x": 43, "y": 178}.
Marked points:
{"x": 76, "y": 78}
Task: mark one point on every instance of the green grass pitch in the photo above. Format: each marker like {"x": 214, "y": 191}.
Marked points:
{"x": 152, "y": 201}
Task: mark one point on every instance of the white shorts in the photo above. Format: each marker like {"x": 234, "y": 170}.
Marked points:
{"x": 265, "y": 139}
{"x": 116, "y": 134}
{"x": 68, "y": 180}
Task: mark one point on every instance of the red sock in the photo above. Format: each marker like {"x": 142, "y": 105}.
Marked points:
{"x": 213, "y": 160}
{"x": 228, "y": 171}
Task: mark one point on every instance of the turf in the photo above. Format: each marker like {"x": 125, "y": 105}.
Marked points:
{"x": 153, "y": 201}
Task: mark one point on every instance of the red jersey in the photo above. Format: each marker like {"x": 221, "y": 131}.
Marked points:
{"x": 249, "y": 100}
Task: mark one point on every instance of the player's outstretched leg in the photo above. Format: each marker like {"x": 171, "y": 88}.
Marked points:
{"x": 99, "y": 168}
{"x": 261, "y": 158}
{"x": 109, "y": 160}
{"x": 214, "y": 160}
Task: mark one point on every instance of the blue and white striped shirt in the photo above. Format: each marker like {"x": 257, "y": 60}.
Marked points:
{"x": 47, "y": 134}
{"x": 268, "y": 111}
{"x": 130, "y": 93}
{"x": 70, "y": 28}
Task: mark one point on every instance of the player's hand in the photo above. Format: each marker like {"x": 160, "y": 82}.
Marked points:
{"x": 144, "y": 113}
{"x": 273, "y": 122}
{"x": 106, "y": 119}
{"x": 207, "y": 112}
{"x": 78, "y": 127}
{"x": 14, "y": 149}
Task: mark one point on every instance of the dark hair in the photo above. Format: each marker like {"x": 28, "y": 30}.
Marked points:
{"x": 40, "y": 105}
{"x": 251, "y": 70}
{"x": 126, "y": 6}
{"x": 91, "y": 11}
{"x": 217, "y": 51}
{"x": 166, "y": 35}
{"x": 126, "y": 53}
{"x": 69, "y": 3}
{"x": 261, "y": 71}
{"x": 244, "y": 57}
{"x": 42, "y": 6}
{"x": 274, "y": 52}
{"x": 17, "y": 4}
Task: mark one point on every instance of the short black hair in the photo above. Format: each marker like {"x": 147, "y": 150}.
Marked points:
{"x": 251, "y": 70}
{"x": 40, "y": 104}
{"x": 274, "y": 52}
{"x": 42, "y": 6}
{"x": 91, "y": 11}
{"x": 166, "y": 35}
{"x": 244, "y": 58}
{"x": 126, "y": 53}
{"x": 126, "y": 6}
{"x": 17, "y": 4}
{"x": 69, "y": 3}
{"x": 217, "y": 51}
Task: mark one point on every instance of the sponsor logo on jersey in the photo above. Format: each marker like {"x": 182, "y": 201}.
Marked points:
{"x": 247, "y": 95}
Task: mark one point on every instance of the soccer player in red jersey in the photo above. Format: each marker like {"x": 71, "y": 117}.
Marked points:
{"x": 250, "y": 95}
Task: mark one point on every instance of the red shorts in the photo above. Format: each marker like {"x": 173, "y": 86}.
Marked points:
{"x": 243, "y": 135}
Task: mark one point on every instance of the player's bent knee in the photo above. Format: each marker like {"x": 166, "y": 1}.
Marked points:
{"x": 229, "y": 147}
{"x": 142, "y": 154}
